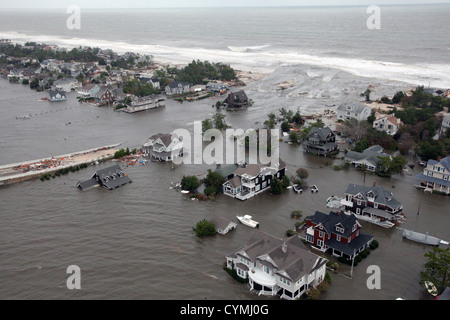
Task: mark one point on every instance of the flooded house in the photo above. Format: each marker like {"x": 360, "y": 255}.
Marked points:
{"x": 109, "y": 178}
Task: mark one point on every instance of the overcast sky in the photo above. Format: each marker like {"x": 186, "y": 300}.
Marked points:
{"x": 196, "y": 3}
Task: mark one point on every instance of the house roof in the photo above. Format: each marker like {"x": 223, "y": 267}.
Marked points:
{"x": 370, "y": 154}
{"x": 107, "y": 177}
{"x": 166, "y": 138}
{"x": 356, "y": 107}
{"x": 289, "y": 257}
{"x": 175, "y": 84}
{"x": 53, "y": 94}
{"x": 221, "y": 222}
{"x": 331, "y": 220}
{"x": 321, "y": 132}
{"x": 381, "y": 196}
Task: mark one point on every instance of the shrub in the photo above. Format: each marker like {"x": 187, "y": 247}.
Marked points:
{"x": 374, "y": 244}
{"x": 204, "y": 228}
{"x": 189, "y": 183}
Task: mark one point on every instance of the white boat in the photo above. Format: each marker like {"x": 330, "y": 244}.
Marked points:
{"x": 248, "y": 221}
{"x": 184, "y": 191}
{"x": 314, "y": 188}
{"x": 422, "y": 238}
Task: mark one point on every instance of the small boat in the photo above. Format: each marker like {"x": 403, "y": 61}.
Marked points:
{"x": 248, "y": 221}
{"x": 431, "y": 288}
{"x": 297, "y": 188}
{"x": 422, "y": 238}
{"x": 184, "y": 191}
{"x": 314, "y": 189}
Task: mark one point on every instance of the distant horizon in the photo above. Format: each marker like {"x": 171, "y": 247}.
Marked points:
{"x": 56, "y": 5}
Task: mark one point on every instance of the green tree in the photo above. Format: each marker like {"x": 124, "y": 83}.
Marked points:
{"x": 204, "y": 228}
{"x": 366, "y": 94}
{"x": 294, "y": 137}
{"x": 189, "y": 183}
{"x": 275, "y": 186}
{"x": 285, "y": 127}
{"x": 213, "y": 182}
{"x": 285, "y": 182}
{"x": 437, "y": 268}
{"x": 206, "y": 125}
{"x": 219, "y": 121}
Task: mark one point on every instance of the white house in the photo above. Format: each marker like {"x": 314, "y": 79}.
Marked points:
{"x": 275, "y": 266}
{"x": 177, "y": 87}
{"x": 222, "y": 225}
{"x": 67, "y": 84}
{"x": 355, "y": 110}
{"x": 445, "y": 124}
{"x": 163, "y": 147}
{"x": 389, "y": 124}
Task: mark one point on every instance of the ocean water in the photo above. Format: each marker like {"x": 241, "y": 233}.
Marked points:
{"x": 136, "y": 242}
{"x": 411, "y": 44}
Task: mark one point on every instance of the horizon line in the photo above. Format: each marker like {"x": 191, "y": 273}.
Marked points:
{"x": 240, "y": 7}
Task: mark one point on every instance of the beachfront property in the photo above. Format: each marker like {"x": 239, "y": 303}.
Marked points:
{"x": 369, "y": 158}
{"x": 216, "y": 87}
{"x": 163, "y": 147}
{"x": 109, "y": 178}
{"x": 105, "y": 95}
{"x": 222, "y": 225}
{"x": 67, "y": 84}
{"x": 275, "y": 266}
{"x": 354, "y": 110}
{"x": 336, "y": 232}
{"x": 177, "y": 87}
{"x": 144, "y": 103}
{"x": 321, "y": 141}
{"x": 237, "y": 99}
{"x": 372, "y": 203}
{"x": 56, "y": 96}
{"x": 249, "y": 180}
{"x": 389, "y": 124}
{"x": 436, "y": 176}
{"x": 88, "y": 90}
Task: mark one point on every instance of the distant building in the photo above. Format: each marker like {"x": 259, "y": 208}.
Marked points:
{"x": 436, "y": 176}
{"x": 445, "y": 124}
{"x": 216, "y": 87}
{"x": 109, "y": 178}
{"x": 276, "y": 266}
{"x": 144, "y": 103}
{"x": 236, "y": 100}
{"x": 163, "y": 147}
{"x": 368, "y": 158}
{"x": 177, "y": 87}
{"x": 355, "y": 110}
{"x": 67, "y": 84}
{"x": 57, "y": 96}
{"x": 321, "y": 141}
{"x": 389, "y": 124}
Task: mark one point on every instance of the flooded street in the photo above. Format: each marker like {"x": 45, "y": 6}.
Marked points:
{"x": 136, "y": 242}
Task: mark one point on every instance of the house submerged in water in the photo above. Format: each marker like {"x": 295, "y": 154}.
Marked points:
{"x": 109, "y": 178}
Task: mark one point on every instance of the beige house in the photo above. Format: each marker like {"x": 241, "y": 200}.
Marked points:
{"x": 389, "y": 124}
{"x": 436, "y": 176}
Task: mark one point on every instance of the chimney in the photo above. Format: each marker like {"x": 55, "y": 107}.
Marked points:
{"x": 339, "y": 212}
{"x": 284, "y": 247}
{"x": 374, "y": 183}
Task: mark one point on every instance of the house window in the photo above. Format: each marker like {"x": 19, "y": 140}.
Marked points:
{"x": 359, "y": 202}
{"x": 430, "y": 173}
{"x": 319, "y": 243}
{"x": 445, "y": 177}
{"x": 358, "y": 210}
{"x": 338, "y": 237}
{"x": 320, "y": 234}
{"x": 266, "y": 269}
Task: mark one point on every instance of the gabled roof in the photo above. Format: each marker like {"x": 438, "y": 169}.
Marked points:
{"x": 176, "y": 84}
{"x": 356, "y": 107}
{"x": 321, "y": 132}
{"x": 370, "y": 154}
{"x": 330, "y": 221}
{"x": 112, "y": 177}
{"x": 289, "y": 257}
{"x": 166, "y": 138}
{"x": 381, "y": 196}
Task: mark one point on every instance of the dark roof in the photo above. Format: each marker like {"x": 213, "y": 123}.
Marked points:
{"x": 381, "y": 196}
{"x": 175, "y": 84}
{"x": 321, "y": 132}
{"x": 112, "y": 177}
{"x": 238, "y": 98}
{"x": 87, "y": 184}
{"x": 350, "y": 248}
{"x": 330, "y": 221}
{"x": 53, "y": 94}
{"x": 166, "y": 138}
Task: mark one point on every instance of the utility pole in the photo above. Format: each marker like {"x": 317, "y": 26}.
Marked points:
{"x": 353, "y": 261}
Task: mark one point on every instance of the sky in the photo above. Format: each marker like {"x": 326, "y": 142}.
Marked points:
{"x": 31, "y": 4}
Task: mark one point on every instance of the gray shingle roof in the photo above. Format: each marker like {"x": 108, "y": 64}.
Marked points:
{"x": 381, "y": 196}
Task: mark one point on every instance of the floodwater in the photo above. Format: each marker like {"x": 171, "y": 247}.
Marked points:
{"x": 136, "y": 242}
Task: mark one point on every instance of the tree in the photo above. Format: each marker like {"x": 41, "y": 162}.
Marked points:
{"x": 285, "y": 127}
{"x": 354, "y": 129}
{"x": 34, "y": 83}
{"x": 285, "y": 182}
{"x": 219, "y": 121}
{"x": 204, "y": 228}
{"x": 372, "y": 117}
{"x": 206, "y": 125}
{"x": 437, "y": 268}
{"x": 302, "y": 173}
{"x": 366, "y": 94}
{"x": 390, "y": 166}
{"x": 294, "y": 137}
{"x": 189, "y": 183}
{"x": 213, "y": 182}
{"x": 297, "y": 118}
{"x": 286, "y": 114}
{"x": 275, "y": 186}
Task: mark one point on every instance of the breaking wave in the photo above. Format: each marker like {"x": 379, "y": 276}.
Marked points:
{"x": 262, "y": 58}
